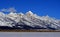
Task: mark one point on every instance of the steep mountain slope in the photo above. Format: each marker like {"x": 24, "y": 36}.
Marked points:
{"x": 28, "y": 21}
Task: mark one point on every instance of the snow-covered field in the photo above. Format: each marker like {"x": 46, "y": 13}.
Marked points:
{"x": 29, "y": 34}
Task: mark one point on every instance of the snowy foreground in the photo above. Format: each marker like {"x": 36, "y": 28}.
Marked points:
{"x": 29, "y": 34}
{"x": 28, "y": 21}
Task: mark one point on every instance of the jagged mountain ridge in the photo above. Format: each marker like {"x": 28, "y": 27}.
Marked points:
{"x": 28, "y": 21}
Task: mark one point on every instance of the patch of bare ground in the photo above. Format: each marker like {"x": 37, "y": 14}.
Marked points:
{"x": 19, "y": 30}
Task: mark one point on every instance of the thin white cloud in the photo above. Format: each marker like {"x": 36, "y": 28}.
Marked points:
{"x": 8, "y": 10}
{"x": 4, "y": 10}
{"x": 12, "y": 10}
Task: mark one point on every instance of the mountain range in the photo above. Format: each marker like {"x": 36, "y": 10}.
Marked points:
{"x": 29, "y": 21}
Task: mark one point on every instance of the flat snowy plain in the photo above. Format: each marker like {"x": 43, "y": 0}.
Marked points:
{"x": 29, "y": 34}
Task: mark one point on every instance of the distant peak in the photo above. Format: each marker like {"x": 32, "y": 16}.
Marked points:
{"x": 29, "y": 13}
{"x": 2, "y": 14}
{"x": 11, "y": 13}
{"x": 21, "y": 14}
{"x": 47, "y": 16}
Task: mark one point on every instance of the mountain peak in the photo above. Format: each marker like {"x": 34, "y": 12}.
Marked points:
{"x": 29, "y": 13}
{"x": 2, "y": 14}
{"x": 12, "y": 14}
{"x": 21, "y": 13}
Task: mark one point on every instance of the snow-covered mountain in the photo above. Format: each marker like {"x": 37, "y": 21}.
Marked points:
{"x": 28, "y": 21}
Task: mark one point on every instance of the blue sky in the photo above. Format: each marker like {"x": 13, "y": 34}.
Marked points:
{"x": 40, "y": 7}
